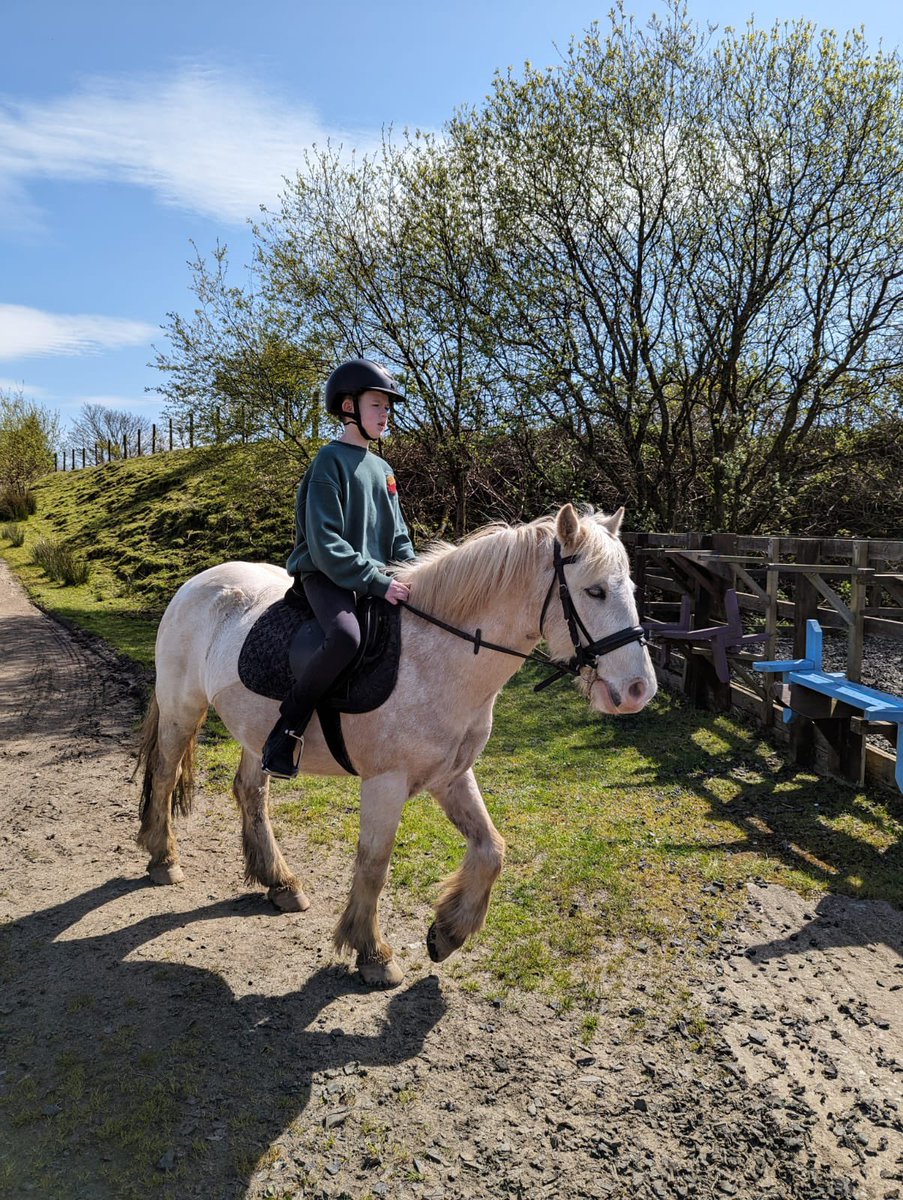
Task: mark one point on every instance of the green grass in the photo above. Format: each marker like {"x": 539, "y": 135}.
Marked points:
{"x": 628, "y": 839}
{"x": 145, "y": 525}
{"x": 626, "y": 836}
{"x": 152, "y": 522}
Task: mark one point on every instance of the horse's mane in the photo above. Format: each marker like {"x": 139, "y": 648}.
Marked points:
{"x": 453, "y": 581}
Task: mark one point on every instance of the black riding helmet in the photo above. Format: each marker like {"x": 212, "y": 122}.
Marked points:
{"x": 354, "y": 377}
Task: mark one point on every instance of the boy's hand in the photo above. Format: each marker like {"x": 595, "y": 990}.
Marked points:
{"x": 397, "y": 591}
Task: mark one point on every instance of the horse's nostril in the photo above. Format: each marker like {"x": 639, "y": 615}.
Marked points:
{"x": 615, "y": 696}
{"x": 637, "y": 689}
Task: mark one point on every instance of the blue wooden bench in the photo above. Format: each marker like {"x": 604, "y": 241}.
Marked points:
{"x": 829, "y": 696}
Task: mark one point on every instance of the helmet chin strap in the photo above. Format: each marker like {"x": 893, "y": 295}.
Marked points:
{"x": 355, "y": 418}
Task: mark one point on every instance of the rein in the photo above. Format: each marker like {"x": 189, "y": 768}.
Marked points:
{"x": 585, "y": 655}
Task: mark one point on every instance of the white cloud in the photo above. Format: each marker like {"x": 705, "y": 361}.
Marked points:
{"x": 27, "y": 332}
{"x": 199, "y": 140}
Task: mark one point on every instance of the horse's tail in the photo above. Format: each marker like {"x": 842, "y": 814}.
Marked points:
{"x": 149, "y": 758}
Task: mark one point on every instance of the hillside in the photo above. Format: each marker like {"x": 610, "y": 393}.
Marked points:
{"x": 145, "y": 525}
{"x": 152, "y": 521}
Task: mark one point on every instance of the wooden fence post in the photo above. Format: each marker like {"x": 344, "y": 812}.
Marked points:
{"x": 125, "y": 445}
{"x": 772, "y": 591}
{"x": 170, "y": 433}
{"x": 56, "y": 461}
{"x": 857, "y": 604}
{"x": 805, "y": 608}
{"x": 153, "y": 439}
{"x": 139, "y": 442}
{"x": 191, "y": 431}
{"x": 84, "y": 462}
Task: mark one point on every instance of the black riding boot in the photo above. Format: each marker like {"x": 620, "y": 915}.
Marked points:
{"x": 282, "y": 750}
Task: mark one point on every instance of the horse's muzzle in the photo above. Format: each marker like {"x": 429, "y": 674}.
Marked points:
{"x": 614, "y": 698}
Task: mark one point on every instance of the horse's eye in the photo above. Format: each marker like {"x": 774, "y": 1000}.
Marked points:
{"x": 597, "y": 592}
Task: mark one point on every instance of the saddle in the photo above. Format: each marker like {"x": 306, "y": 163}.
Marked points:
{"x": 285, "y": 635}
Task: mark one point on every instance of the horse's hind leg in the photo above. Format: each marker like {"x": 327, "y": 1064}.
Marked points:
{"x": 168, "y": 741}
{"x": 382, "y": 801}
{"x": 263, "y": 858}
{"x": 462, "y": 905}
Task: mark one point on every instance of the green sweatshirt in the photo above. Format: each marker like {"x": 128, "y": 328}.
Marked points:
{"x": 348, "y": 521}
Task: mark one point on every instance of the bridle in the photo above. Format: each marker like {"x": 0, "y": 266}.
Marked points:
{"x": 585, "y": 654}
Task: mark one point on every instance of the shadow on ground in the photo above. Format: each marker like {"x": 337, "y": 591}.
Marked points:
{"x": 120, "y": 1077}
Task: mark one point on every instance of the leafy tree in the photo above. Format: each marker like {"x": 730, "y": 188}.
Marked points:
{"x": 240, "y": 366}
{"x": 697, "y": 253}
{"x": 669, "y": 271}
{"x": 384, "y": 255}
{"x": 28, "y": 433}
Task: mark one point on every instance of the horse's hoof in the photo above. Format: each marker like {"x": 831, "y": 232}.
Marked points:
{"x": 438, "y": 946}
{"x": 166, "y": 873}
{"x": 381, "y": 974}
{"x": 288, "y": 899}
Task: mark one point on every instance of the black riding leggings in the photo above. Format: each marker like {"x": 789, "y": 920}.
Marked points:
{"x": 334, "y": 608}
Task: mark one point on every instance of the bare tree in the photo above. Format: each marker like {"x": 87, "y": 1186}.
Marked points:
{"x": 99, "y": 428}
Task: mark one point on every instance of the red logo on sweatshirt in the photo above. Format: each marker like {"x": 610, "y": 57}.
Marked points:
{"x": 391, "y": 485}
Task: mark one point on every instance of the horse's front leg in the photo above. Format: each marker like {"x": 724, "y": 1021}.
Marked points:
{"x": 263, "y": 858}
{"x": 462, "y": 905}
{"x": 382, "y": 801}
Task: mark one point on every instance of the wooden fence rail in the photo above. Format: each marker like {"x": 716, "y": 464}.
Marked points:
{"x": 852, "y": 587}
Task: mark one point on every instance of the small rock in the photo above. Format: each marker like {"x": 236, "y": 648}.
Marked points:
{"x": 168, "y": 1161}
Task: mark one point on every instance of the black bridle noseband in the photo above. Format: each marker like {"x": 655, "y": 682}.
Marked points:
{"x": 585, "y": 654}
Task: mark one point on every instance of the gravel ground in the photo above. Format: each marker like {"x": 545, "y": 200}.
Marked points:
{"x": 196, "y": 1025}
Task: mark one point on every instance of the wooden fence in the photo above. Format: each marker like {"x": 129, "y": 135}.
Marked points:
{"x": 106, "y": 450}
{"x": 853, "y": 587}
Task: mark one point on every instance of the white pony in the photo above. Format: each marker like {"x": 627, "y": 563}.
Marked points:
{"x": 565, "y": 578}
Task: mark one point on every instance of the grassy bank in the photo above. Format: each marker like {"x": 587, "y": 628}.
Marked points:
{"x": 626, "y": 837}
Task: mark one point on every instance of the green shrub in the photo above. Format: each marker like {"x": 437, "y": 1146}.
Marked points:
{"x": 60, "y": 562}
{"x": 13, "y": 532}
{"x": 16, "y": 506}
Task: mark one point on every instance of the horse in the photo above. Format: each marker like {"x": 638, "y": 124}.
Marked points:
{"x": 504, "y": 581}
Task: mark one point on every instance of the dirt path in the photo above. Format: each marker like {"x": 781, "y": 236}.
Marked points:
{"x": 164, "y": 1041}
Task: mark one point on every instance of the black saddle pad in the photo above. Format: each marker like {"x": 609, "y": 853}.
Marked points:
{"x": 287, "y": 632}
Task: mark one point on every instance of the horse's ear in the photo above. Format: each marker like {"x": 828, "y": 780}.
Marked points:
{"x": 567, "y": 525}
{"x": 613, "y": 523}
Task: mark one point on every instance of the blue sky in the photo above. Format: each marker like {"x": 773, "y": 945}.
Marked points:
{"x": 130, "y": 128}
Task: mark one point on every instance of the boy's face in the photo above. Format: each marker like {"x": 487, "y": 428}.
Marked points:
{"x": 375, "y": 410}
